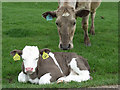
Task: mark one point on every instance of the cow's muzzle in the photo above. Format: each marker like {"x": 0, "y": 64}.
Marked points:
{"x": 66, "y": 46}
{"x": 29, "y": 70}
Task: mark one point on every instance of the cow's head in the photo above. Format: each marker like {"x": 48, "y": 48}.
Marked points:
{"x": 30, "y": 56}
{"x": 66, "y": 24}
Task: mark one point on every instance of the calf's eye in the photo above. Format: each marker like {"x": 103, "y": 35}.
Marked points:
{"x": 36, "y": 58}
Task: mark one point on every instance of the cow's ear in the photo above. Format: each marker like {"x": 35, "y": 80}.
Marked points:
{"x": 51, "y": 13}
{"x": 16, "y": 51}
{"x": 44, "y": 50}
{"x": 82, "y": 13}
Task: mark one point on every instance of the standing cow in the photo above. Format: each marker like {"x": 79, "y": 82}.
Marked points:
{"x": 66, "y": 16}
{"x": 58, "y": 66}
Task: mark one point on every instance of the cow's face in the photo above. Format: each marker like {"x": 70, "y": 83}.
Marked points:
{"x": 30, "y": 56}
{"x": 66, "y": 24}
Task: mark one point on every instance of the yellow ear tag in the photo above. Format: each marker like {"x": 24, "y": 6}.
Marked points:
{"x": 16, "y": 57}
{"x": 45, "y": 55}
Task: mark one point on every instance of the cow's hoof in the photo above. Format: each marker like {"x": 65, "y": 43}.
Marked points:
{"x": 88, "y": 44}
{"x": 87, "y": 41}
{"x": 92, "y": 32}
{"x": 59, "y": 81}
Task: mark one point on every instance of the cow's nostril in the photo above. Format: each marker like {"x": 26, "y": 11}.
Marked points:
{"x": 69, "y": 46}
{"x": 65, "y": 47}
{"x": 29, "y": 69}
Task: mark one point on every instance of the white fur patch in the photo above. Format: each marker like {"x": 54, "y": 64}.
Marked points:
{"x": 30, "y": 57}
{"x": 22, "y": 77}
{"x": 76, "y": 74}
{"x": 55, "y": 61}
{"x": 66, "y": 14}
{"x": 82, "y": 74}
{"x": 74, "y": 77}
{"x": 45, "y": 79}
{"x": 36, "y": 80}
{"x": 73, "y": 65}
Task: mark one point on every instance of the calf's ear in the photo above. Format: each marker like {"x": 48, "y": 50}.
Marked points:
{"x": 44, "y": 50}
{"x": 23, "y": 68}
{"x": 51, "y": 13}
{"x": 16, "y": 51}
{"x": 82, "y": 13}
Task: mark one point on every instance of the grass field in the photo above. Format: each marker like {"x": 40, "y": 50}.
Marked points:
{"x": 23, "y": 25}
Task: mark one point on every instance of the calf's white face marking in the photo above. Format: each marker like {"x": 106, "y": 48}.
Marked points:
{"x": 30, "y": 56}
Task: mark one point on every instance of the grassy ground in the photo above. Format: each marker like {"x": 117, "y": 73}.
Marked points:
{"x": 23, "y": 25}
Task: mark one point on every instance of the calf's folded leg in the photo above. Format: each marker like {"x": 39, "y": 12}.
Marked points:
{"x": 22, "y": 77}
{"x": 45, "y": 79}
{"x": 83, "y": 73}
{"x": 79, "y": 71}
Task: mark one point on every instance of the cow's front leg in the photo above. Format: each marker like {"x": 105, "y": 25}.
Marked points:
{"x": 92, "y": 30}
{"x": 22, "y": 77}
{"x": 94, "y": 6}
{"x": 85, "y": 28}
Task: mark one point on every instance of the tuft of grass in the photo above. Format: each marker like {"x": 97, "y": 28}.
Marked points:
{"x": 23, "y": 25}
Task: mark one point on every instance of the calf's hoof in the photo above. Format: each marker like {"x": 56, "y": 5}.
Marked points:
{"x": 59, "y": 81}
{"x": 91, "y": 78}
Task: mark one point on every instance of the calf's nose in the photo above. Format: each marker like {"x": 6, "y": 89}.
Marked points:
{"x": 29, "y": 69}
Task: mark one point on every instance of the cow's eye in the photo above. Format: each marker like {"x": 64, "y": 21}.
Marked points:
{"x": 74, "y": 23}
{"x": 56, "y": 23}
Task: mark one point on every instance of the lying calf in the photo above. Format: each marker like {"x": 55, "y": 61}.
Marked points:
{"x": 58, "y": 66}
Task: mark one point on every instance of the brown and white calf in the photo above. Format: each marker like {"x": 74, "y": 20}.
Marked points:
{"x": 59, "y": 66}
{"x": 66, "y": 16}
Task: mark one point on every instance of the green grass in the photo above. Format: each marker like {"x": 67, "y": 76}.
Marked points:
{"x": 23, "y": 25}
